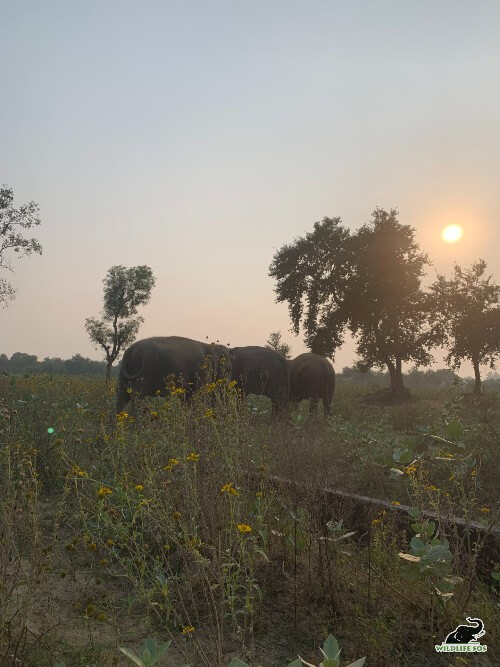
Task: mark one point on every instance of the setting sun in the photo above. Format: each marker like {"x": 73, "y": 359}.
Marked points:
{"x": 452, "y": 233}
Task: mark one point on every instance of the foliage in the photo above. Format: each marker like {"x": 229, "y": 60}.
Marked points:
{"x": 368, "y": 281}
{"x": 275, "y": 343}
{"x": 150, "y": 653}
{"x": 124, "y": 290}
{"x": 11, "y": 219}
{"x": 20, "y": 362}
{"x": 466, "y": 314}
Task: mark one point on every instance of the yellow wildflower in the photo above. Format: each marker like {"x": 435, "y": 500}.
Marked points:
{"x": 375, "y": 521}
{"x": 187, "y": 629}
{"x": 78, "y": 472}
{"x": 485, "y": 510}
{"x": 109, "y": 543}
{"x": 129, "y": 390}
{"x": 431, "y": 487}
{"x": 177, "y": 391}
{"x": 229, "y": 488}
{"x": 139, "y": 487}
{"x": 158, "y": 392}
{"x": 232, "y": 384}
{"x": 121, "y": 416}
{"x": 104, "y": 491}
{"x": 209, "y": 413}
{"x": 92, "y": 546}
{"x": 259, "y": 494}
{"x": 473, "y": 473}
{"x": 168, "y": 468}
{"x": 153, "y": 414}
{"x": 166, "y": 547}
{"x": 395, "y": 502}
{"x": 410, "y": 470}
{"x": 244, "y": 528}
{"x": 103, "y": 562}
{"x": 451, "y": 478}
{"x": 173, "y": 462}
{"x": 101, "y": 617}
{"x": 192, "y": 457}
{"x": 176, "y": 516}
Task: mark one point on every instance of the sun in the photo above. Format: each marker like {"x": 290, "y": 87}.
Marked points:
{"x": 452, "y": 233}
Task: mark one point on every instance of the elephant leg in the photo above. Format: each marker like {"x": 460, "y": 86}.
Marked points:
{"x": 313, "y": 405}
{"x": 327, "y": 405}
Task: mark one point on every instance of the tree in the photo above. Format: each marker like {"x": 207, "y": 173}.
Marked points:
{"x": 466, "y": 313}
{"x": 11, "y": 220}
{"x": 124, "y": 290}
{"x": 368, "y": 282}
{"x": 275, "y": 343}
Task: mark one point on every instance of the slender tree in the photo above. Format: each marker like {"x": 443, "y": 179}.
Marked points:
{"x": 275, "y": 343}
{"x": 368, "y": 282}
{"x": 11, "y": 221}
{"x": 124, "y": 290}
{"x": 466, "y": 313}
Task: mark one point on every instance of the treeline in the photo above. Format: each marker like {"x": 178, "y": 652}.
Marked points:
{"x": 23, "y": 363}
{"x": 441, "y": 377}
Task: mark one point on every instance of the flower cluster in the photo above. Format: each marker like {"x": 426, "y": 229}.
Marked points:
{"x": 104, "y": 491}
{"x": 229, "y": 489}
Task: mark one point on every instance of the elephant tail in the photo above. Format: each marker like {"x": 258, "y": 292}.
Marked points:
{"x": 478, "y": 623}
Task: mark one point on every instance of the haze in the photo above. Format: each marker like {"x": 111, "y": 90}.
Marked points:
{"x": 199, "y": 137}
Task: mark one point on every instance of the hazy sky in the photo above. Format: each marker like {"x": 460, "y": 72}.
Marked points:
{"x": 199, "y": 137}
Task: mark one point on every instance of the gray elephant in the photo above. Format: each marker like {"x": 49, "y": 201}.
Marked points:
{"x": 260, "y": 370}
{"x": 313, "y": 377}
{"x": 147, "y": 363}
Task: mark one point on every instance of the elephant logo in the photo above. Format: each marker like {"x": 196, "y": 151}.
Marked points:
{"x": 464, "y": 634}
{"x": 464, "y": 638}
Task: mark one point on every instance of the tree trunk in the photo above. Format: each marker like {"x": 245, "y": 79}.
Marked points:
{"x": 108, "y": 370}
{"x": 396, "y": 376}
{"x": 477, "y": 376}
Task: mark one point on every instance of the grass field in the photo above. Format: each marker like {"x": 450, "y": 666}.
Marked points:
{"x": 171, "y": 526}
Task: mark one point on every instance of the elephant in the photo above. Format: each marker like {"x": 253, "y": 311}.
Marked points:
{"x": 313, "y": 377}
{"x": 261, "y": 370}
{"x": 147, "y": 363}
{"x": 463, "y": 634}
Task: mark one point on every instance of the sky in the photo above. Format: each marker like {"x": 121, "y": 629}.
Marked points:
{"x": 199, "y": 137}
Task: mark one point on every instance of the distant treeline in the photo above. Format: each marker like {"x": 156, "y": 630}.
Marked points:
{"x": 20, "y": 362}
{"x": 442, "y": 377}
{"x": 23, "y": 363}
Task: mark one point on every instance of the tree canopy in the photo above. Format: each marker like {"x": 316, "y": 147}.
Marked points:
{"x": 466, "y": 313}
{"x": 275, "y": 342}
{"x": 368, "y": 281}
{"x": 124, "y": 290}
{"x": 12, "y": 220}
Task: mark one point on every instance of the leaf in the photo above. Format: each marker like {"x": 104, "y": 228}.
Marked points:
{"x": 236, "y": 662}
{"x": 436, "y": 553}
{"x": 417, "y": 546}
{"x": 331, "y": 647}
{"x": 454, "y": 430}
{"x": 453, "y": 579}
{"x": 495, "y": 575}
{"x": 415, "y": 513}
{"x": 330, "y": 662}
{"x": 429, "y": 528}
{"x": 295, "y": 663}
{"x": 132, "y": 656}
{"x": 346, "y": 536}
{"x": 357, "y": 663}
{"x": 395, "y": 472}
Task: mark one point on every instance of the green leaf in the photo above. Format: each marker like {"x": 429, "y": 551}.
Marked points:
{"x": 454, "y": 430}
{"x": 417, "y": 546}
{"x": 436, "y": 553}
{"x": 429, "y": 528}
{"x": 331, "y": 647}
{"x": 495, "y": 575}
{"x": 295, "y": 663}
{"x": 415, "y": 513}
{"x": 330, "y": 662}
{"x": 236, "y": 662}
{"x": 132, "y": 656}
{"x": 357, "y": 663}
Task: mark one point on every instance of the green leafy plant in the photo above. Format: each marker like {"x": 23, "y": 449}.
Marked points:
{"x": 150, "y": 653}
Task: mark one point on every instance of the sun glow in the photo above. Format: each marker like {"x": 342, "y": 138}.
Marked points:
{"x": 452, "y": 233}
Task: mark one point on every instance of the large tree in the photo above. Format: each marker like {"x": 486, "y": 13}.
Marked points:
{"x": 368, "y": 282}
{"x": 124, "y": 290}
{"x": 12, "y": 220}
{"x": 466, "y": 312}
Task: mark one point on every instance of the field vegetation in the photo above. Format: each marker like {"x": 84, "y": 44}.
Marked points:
{"x": 207, "y": 525}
